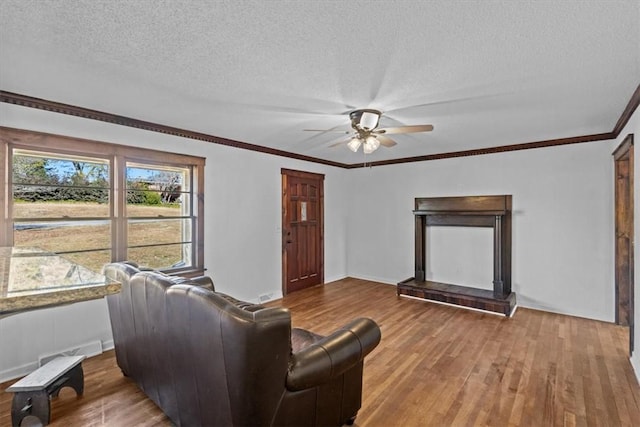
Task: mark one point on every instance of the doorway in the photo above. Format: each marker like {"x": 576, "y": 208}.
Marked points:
{"x": 302, "y": 230}
{"x": 624, "y": 281}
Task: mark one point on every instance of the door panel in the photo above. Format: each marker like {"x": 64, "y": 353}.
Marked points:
{"x": 623, "y": 242}
{"x": 302, "y": 226}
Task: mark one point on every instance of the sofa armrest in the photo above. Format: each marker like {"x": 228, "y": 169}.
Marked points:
{"x": 332, "y": 355}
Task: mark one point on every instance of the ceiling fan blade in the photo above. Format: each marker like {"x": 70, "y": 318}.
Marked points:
{"x": 339, "y": 143}
{"x": 292, "y": 104}
{"x": 406, "y": 129}
{"x": 386, "y": 141}
{"x": 469, "y": 94}
{"x": 327, "y": 130}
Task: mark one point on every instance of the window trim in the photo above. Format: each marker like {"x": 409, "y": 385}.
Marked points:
{"x": 118, "y": 155}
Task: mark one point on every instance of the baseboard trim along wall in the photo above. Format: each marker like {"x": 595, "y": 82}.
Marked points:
{"x": 89, "y": 349}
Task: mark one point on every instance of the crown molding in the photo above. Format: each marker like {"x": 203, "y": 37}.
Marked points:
{"x": 86, "y": 113}
{"x": 57, "y": 107}
{"x": 631, "y": 107}
{"x": 491, "y": 150}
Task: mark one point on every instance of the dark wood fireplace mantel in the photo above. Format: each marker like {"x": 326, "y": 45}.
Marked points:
{"x": 470, "y": 211}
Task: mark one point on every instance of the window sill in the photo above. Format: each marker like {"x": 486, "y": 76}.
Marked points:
{"x": 31, "y": 279}
{"x": 42, "y": 299}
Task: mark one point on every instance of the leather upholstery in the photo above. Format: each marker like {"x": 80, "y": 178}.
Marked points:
{"x": 207, "y": 359}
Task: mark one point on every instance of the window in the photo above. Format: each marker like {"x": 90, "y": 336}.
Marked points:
{"x": 61, "y": 205}
{"x": 94, "y": 203}
{"x": 159, "y": 221}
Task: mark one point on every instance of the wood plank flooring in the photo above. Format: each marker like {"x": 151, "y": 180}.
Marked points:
{"x": 435, "y": 366}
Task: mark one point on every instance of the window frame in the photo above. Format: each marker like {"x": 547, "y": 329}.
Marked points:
{"x": 118, "y": 156}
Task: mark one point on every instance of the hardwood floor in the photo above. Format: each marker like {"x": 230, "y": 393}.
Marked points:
{"x": 435, "y": 366}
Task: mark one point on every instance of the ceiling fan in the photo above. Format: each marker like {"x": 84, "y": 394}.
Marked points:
{"x": 365, "y": 124}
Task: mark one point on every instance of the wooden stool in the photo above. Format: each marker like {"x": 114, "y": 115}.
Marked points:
{"x": 33, "y": 392}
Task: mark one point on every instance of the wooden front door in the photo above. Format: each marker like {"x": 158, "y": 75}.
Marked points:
{"x": 623, "y": 158}
{"x": 302, "y": 230}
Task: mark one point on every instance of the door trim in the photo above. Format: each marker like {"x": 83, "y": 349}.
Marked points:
{"x": 624, "y": 258}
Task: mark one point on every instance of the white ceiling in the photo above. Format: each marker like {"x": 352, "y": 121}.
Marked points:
{"x": 484, "y": 73}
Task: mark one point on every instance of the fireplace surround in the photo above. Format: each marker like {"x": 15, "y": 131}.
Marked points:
{"x": 466, "y": 211}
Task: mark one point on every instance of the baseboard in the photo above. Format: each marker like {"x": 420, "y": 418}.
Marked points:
{"x": 635, "y": 364}
{"x": 18, "y": 371}
{"x": 268, "y": 297}
{"x": 334, "y": 279}
{"x": 88, "y": 349}
{"x": 384, "y": 281}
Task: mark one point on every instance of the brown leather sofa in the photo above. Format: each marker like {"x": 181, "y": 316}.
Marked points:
{"x": 207, "y": 359}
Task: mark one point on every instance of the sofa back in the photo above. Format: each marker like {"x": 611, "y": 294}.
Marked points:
{"x": 206, "y": 358}
{"x": 231, "y": 361}
{"x": 121, "y": 312}
{"x": 203, "y": 357}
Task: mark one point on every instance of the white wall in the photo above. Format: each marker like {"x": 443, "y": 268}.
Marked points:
{"x": 25, "y": 337}
{"x": 562, "y": 227}
{"x": 562, "y": 223}
{"x": 242, "y": 232}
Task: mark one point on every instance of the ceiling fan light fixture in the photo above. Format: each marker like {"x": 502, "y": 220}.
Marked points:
{"x": 371, "y": 144}
{"x": 366, "y": 133}
{"x": 369, "y": 120}
{"x": 354, "y": 144}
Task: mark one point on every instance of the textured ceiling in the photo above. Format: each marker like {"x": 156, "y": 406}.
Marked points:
{"x": 484, "y": 73}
